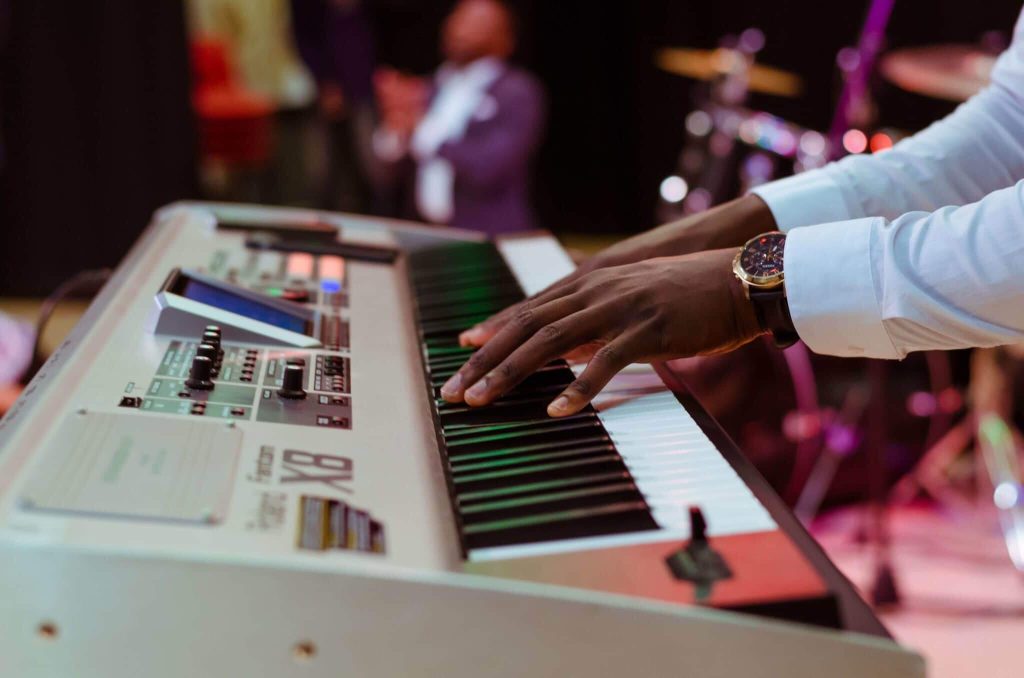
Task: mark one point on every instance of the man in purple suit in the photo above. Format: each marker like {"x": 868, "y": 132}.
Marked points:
{"x": 470, "y": 133}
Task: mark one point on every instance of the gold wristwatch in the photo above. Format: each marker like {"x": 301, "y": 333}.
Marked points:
{"x": 759, "y": 266}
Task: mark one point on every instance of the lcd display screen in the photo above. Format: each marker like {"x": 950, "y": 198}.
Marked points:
{"x": 225, "y": 300}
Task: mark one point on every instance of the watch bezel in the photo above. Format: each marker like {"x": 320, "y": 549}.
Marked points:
{"x": 759, "y": 281}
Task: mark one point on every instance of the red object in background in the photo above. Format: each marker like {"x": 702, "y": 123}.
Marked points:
{"x": 880, "y": 142}
{"x": 235, "y": 124}
{"x": 210, "y": 66}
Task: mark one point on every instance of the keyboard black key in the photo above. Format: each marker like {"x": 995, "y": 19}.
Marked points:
{"x": 513, "y": 431}
{"x": 529, "y": 460}
{"x": 522, "y": 489}
{"x": 550, "y": 502}
{"x": 585, "y": 433}
{"x": 482, "y": 480}
{"x": 631, "y": 516}
{"x": 517, "y": 476}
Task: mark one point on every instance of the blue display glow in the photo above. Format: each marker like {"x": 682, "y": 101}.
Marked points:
{"x": 225, "y": 300}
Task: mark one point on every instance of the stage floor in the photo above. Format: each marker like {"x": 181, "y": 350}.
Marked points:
{"x": 963, "y": 601}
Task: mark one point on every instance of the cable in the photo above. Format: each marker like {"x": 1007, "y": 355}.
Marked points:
{"x": 90, "y": 282}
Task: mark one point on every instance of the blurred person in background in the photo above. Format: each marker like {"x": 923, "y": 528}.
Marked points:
{"x": 4, "y": 20}
{"x": 257, "y": 35}
{"x": 468, "y": 135}
{"x": 15, "y": 339}
{"x": 336, "y": 43}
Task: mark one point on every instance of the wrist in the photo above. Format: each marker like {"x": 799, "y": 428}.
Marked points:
{"x": 744, "y": 314}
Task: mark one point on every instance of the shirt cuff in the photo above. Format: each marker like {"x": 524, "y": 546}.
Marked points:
{"x": 805, "y": 199}
{"x": 830, "y": 286}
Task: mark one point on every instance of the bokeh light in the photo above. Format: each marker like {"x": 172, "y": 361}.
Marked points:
{"x": 880, "y": 142}
{"x": 855, "y": 141}
{"x": 674, "y": 189}
{"x": 698, "y": 123}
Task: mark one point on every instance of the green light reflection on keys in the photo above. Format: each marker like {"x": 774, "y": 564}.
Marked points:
{"x": 510, "y": 435}
{"x": 547, "y": 498}
{"x": 494, "y": 475}
{"x": 604, "y": 444}
{"x": 559, "y": 516}
{"x": 497, "y": 463}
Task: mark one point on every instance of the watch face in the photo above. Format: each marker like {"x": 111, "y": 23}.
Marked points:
{"x": 761, "y": 259}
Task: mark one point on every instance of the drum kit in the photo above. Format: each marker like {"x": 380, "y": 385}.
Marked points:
{"x": 911, "y": 421}
{"x": 729, "y": 147}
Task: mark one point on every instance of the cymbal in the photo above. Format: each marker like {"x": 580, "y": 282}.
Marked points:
{"x": 949, "y": 72}
{"x": 705, "y": 64}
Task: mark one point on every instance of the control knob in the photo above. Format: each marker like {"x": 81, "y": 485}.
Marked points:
{"x": 292, "y": 381}
{"x": 207, "y": 351}
{"x": 200, "y": 375}
{"x": 212, "y": 338}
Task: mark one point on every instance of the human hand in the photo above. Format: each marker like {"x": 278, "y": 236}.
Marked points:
{"x": 658, "y": 309}
{"x": 728, "y": 225}
{"x": 401, "y": 98}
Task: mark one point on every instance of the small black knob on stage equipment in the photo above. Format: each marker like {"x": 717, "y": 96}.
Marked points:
{"x": 207, "y": 351}
{"x": 292, "y": 382}
{"x": 199, "y": 377}
{"x": 212, "y": 338}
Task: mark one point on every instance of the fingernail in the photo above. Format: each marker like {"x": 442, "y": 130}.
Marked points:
{"x": 478, "y": 390}
{"x": 451, "y": 387}
{"x": 558, "y": 406}
{"x": 467, "y": 337}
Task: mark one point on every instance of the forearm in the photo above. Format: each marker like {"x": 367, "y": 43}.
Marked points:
{"x": 728, "y": 225}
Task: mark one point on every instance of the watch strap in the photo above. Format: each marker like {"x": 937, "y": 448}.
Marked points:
{"x": 772, "y": 310}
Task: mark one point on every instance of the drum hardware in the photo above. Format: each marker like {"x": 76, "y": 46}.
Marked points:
{"x": 947, "y": 72}
{"x": 993, "y": 474}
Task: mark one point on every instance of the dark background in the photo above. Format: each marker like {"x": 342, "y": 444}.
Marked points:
{"x": 97, "y": 132}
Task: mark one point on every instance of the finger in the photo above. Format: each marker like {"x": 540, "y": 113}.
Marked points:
{"x": 548, "y": 343}
{"x": 606, "y": 363}
{"x": 482, "y": 332}
{"x": 526, "y": 321}
{"x": 584, "y": 352}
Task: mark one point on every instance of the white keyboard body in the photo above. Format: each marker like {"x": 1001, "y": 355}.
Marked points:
{"x": 119, "y": 556}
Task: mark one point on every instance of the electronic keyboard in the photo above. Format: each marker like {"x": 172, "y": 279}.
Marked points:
{"x": 239, "y": 464}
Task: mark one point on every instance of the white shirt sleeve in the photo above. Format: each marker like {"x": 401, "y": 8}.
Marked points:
{"x": 948, "y": 279}
{"x": 887, "y": 263}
